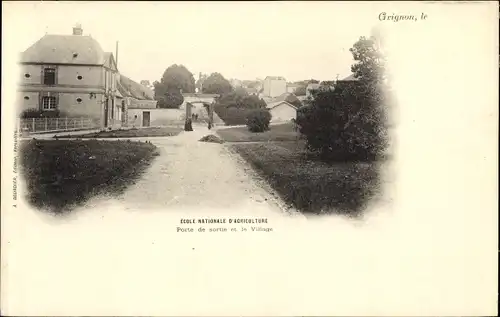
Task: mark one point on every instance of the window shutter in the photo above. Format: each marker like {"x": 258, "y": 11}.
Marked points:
{"x": 40, "y": 101}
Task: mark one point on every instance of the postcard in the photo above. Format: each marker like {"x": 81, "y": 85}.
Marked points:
{"x": 290, "y": 158}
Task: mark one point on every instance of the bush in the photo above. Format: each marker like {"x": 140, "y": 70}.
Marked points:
{"x": 258, "y": 120}
{"x": 346, "y": 124}
{"x": 37, "y": 113}
{"x": 232, "y": 115}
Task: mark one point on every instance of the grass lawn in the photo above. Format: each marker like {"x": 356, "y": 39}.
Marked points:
{"x": 61, "y": 174}
{"x": 308, "y": 184}
{"x": 281, "y": 132}
{"x": 128, "y": 133}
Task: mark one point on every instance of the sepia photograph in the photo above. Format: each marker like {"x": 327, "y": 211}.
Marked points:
{"x": 311, "y": 145}
{"x": 95, "y": 123}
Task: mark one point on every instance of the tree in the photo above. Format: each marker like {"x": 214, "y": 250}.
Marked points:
{"x": 349, "y": 122}
{"x": 300, "y": 91}
{"x": 234, "y": 107}
{"x": 170, "y": 100}
{"x": 175, "y": 80}
{"x": 178, "y": 77}
{"x": 257, "y": 120}
{"x": 216, "y": 84}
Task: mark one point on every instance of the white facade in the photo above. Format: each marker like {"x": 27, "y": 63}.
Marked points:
{"x": 274, "y": 86}
{"x": 154, "y": 117}
{"x": 282, "y": 112}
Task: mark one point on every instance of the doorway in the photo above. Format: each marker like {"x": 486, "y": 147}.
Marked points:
{"x": 146, "y": 118}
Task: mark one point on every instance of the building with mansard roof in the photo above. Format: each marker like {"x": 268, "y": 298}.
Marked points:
{"x": 73, "y": 76}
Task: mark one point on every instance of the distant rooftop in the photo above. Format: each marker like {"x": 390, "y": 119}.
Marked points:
{"x": 275, "y": 78}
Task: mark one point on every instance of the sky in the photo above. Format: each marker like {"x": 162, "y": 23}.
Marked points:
{"x": 244, "y": 40}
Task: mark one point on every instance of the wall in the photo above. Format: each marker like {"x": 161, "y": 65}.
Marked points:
{"x": 283, "y": 112}
{"x": 274, "y": 88}
{"x": 90, "y": 108}
{"x": 23, "y": 104}
{"x": 67, "y": 75}
{"x": 158, "y": 117}
{"x": 142, "y": 104}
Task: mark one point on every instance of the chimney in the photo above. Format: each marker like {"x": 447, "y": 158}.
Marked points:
{"x": 77, "y": 29}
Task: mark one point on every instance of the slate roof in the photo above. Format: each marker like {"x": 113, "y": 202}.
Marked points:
{"x": 65, "y": 49}
{"x": 275, "y": 78}
{"x": 129, "y": 88}
{"x": 277, "y": 103}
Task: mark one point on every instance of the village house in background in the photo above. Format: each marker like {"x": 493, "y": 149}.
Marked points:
{"x": 273, "y": 86}
{"x": 73, "y": 76}
{"x": 281, "y": 110}
{"x": 291, "y": 87}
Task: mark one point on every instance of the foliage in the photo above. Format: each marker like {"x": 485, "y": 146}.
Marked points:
{"x": 60, "y": 174}
{"x": 216, "y": 84}
{"x": 234, "y": 107}
{"x": 349, "y": 122}
{"x": 37, "y": 113}
{"x": 251, "y": 83}
{"x": 300, "y": 91}
{"x": 170, "y": 100}
{"x": 258, "y": 120}
{"x": 175, "y": 80}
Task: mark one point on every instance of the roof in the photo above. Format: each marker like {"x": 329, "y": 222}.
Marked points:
{"x": 281, "y": 97}
{"x": 109, "y": 60}
{"x": 129, "y": 88}
{"x": 272, "y": 105}
{"x": 65, "y": 49}
{"x": 275, "y": 78}
{"x": 293, "y": 85}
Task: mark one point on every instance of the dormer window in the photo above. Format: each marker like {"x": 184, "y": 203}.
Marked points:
{"x": 27, "y": 75}
{"x": 49, "y": 76}
{"x": 79, "y": 77}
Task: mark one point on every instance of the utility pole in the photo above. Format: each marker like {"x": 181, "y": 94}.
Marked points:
{"x": 116, "y": 54}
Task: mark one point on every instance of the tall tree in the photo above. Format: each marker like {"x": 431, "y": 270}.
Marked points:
{"x": 216, "y": 84}
{"x": 175, "y": 80}
{"x": 349, "y": 122}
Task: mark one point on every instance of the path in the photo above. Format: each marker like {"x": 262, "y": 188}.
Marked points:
{"x": 198, "y": 175}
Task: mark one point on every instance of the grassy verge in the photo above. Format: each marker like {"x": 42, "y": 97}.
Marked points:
{"x": 281, "y": 132}
{"x": 308, "y": 184}
{"x": 61, "y": 174}
{"x": 129, "y": 133}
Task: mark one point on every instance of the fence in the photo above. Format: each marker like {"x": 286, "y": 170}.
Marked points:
{"x": 38, "y": 125}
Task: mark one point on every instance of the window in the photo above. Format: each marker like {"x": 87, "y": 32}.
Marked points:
{"x": 78, "y": 100}
{"x": 26, "y": 98}
{"x": 49, "y": 76}
{"x": 49, "y": 103}
{"x": 27, "y": 75}
{"x": 79, "y": 77}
